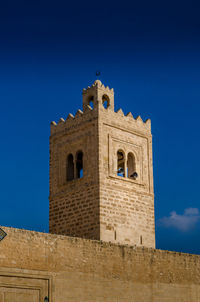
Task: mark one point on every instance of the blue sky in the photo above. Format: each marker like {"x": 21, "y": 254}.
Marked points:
{"x": 149, "y": 52}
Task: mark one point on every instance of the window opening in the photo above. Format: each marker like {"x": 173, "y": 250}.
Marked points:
{"x": 131, "y": 166}
{"x": 79, "y": 164}
{"x": 70, "y": 167}
{"x": 120, "y": 164}
{"x": 105, "y": 101}
{"x": 140, "y": 239}
{"x": 91, "y": 102}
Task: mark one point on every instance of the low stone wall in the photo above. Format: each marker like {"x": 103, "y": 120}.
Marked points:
{"x": 86, "y": 270}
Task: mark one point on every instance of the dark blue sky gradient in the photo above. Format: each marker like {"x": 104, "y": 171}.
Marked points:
{"x": 149, "y": 52}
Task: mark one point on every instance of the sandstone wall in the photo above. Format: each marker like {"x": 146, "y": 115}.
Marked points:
{"x": 83, "y": 270}
{"x": 74, "y": 204}
{"x": 102, "y": 205}
{"x": 126, "y": 205}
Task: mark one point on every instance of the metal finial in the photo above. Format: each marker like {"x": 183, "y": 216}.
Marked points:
{"x": 98, "y": 73}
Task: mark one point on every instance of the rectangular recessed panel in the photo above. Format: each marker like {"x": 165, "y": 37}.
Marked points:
{"x": 21, "y": 295}
{"x": 22, "y": 289}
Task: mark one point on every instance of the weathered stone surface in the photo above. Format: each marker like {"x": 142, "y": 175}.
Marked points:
{"x": 78, "y": 269}
{"x": 102, "y": 205}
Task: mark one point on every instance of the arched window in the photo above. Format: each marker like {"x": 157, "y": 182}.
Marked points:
{"x": 91, "y": 102}
{"x": 70, "y": 167}
{"x": 79, "y": 164}
{"x": 131, "y": 166}
{"x": 105, "y": 101}
{"x": 120, "y": 163}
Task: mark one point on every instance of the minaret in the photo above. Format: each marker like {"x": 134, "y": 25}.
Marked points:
{"x": 101, "y": 173}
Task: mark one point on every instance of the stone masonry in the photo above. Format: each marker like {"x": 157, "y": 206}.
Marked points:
{"x": 103, "y": 203}
{"x": 34, "y": 265}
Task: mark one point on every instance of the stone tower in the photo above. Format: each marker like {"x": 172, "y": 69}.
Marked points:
{"x": 101, "y": 173}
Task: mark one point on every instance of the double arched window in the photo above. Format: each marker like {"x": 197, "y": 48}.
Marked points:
{"x": 105, "y": 101}
{"x": 74, "y": 169}
{"x": 126, "y": 165}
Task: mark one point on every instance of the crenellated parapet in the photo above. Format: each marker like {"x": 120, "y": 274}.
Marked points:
{"x": 73, "y": 120}
{"x": 118, "y": 117}
{"x": 98, "y": 84}
{"x": 98, "y": 100}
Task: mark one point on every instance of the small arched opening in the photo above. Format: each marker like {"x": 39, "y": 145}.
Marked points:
{"x": 91, "y": 102}
{"x": 79, "y": 164}
{"x": 131, "y": 166}
{"x": 120, "y": 163}
{"x": 105, "y": 101}
{"x": 70, "y": 167}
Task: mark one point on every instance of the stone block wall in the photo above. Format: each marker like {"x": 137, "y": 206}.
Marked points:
{"x": 81, "y": 270}
{"x": 126, "y": 205}
{"x": 102, "y": 205}
{"x": 74, "y": 204}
